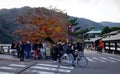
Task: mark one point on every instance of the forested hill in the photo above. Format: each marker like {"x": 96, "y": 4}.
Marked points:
{"x": 8, "y": 23}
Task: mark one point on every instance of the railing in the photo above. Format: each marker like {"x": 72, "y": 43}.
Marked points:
{"x": 112, "y": 47}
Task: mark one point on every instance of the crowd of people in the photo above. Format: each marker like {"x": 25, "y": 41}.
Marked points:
{"x": 37, "y": 50}
{"x": 26, "y": 50}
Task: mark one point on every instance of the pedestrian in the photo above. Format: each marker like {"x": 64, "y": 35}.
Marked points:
{"x": 39, "y": 50}
{"x": 22, "y": 48}
{"x": 18, "y": 49}
{"x": 43, "y": 49}
{"x": 60, "y": 50}
{"x": 100, "y": 45}
{"x": 54, "y": 52}
{"x": 27, "y": 51}
{"x": 35, "y": 49}
{"x": 13, "y": 48}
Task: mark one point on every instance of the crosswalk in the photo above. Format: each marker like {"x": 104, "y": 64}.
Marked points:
{"x": 103, "y": 59}
{"x": 51, "y": 68}
{"x": 36, "y": 69}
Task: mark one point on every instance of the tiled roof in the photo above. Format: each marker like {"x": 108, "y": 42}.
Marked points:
{"x": 114, "y": 37}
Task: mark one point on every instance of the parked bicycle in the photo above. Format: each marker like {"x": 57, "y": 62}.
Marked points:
{"x": 80, "y": 60}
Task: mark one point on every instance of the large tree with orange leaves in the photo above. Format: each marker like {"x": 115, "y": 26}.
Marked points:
{"x": 40, "y": 23}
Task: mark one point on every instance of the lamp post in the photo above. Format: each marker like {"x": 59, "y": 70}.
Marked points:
{"x": 69, "y": 33}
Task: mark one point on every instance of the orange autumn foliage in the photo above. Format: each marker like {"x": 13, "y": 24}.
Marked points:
{"x": 40, "y": 23}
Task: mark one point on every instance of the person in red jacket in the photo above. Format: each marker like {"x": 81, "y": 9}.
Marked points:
{"x": 100, "y": 45}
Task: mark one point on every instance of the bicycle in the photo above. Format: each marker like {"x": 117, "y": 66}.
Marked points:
{"x": 81, "y": 60}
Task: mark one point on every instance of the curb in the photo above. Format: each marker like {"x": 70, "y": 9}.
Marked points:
{"x": 9, "y": 59}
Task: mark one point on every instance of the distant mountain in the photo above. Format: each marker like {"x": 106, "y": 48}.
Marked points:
{"x": 86, "y": 23}
{"x": 110, "y": 24}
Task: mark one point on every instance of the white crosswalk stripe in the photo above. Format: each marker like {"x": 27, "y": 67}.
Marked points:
{"x": 8, "y": 68}
{"x": 54, "y": 68}
{"x": 42, "y": 72}
{"x": 103, "y": 59}
{"x": 114, "y": 58}
{"x": 6, "y": 73}
{"x": 107, "y": 59}
{"x": 48, "y": 65}
{"x": 98, "y": 59}
{"x": 17, "y": 65}
{"x": 90, "y": 60}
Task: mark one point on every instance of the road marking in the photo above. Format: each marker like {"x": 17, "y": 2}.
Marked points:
{"x": 44, "y": 68}
{"x": 17, "y": 65}
{"x": 107, "y": 59}
{"x": 64, "y": 70}
{"x": 66, "y": 67}
{"x": 51, "y": 69}
{"x": 42, "y": 72}
{"x": 114, "y": 58}
{"x": 8, "y": 68}
{"x": 6, "y": 73}
{"x": 98, "y": 59}
{"x": 48, "y": 65}
{"x": 91, "y": 60}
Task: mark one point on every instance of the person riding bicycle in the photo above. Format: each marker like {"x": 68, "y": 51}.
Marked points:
{"x": 69, "y": 52}
{"x": 80, "y": 49}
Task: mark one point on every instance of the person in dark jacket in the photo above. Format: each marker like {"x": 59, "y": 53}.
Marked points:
{"x": 22, "y": 48}
{"x": 80, "y": 49}
{"x": 35, "y": 48}
{"x": 60, "y": 50}
{"x": 27, "y": 50}
{"x": 54, "y": 52}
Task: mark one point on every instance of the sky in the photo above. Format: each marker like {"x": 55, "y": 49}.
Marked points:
{"x": 95, "y": 10}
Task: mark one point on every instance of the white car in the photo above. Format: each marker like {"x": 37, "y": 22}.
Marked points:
{"x": 13, "y": 52}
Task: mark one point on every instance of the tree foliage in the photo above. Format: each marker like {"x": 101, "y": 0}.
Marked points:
{"x": 105, "y": 30}
{"x": 40, "y": 23}
{"x": 115, "y": 28}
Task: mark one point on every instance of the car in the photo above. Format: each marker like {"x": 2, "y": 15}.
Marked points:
{"x": 13, "y": 52}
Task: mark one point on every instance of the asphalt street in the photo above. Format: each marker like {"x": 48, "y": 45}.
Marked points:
{"x": 98, "y": 64}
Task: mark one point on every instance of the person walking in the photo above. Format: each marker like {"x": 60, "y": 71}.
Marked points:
{"x": 35, "y": 48}
{"x": 13, "y": 48}
{"x": 54, "y": 52}
{"x": 27, "y": 51}
{"x": 18, "y": 49}
{"x": 22, "y": 48}
{"x": 60, "y": 50}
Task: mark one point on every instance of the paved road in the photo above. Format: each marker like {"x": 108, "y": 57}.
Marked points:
{"x": 98, "y": 64}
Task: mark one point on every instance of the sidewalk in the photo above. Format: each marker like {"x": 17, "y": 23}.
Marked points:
{"x": 8, "y": 57}
{"x": 89, "y": 51}
{"x": 14, "y": 58}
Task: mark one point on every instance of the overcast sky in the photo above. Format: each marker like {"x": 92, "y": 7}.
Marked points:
{"x": 96, "y": 10}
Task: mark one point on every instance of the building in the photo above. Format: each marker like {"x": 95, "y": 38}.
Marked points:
{"x": 90, "y": 37}
{"x": 112, "y": 42}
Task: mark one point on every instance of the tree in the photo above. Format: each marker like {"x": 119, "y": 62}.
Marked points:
{"x": 40, "y": 23}
{"x": 105, "y": 30}
{"x": 115, "y": 28}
